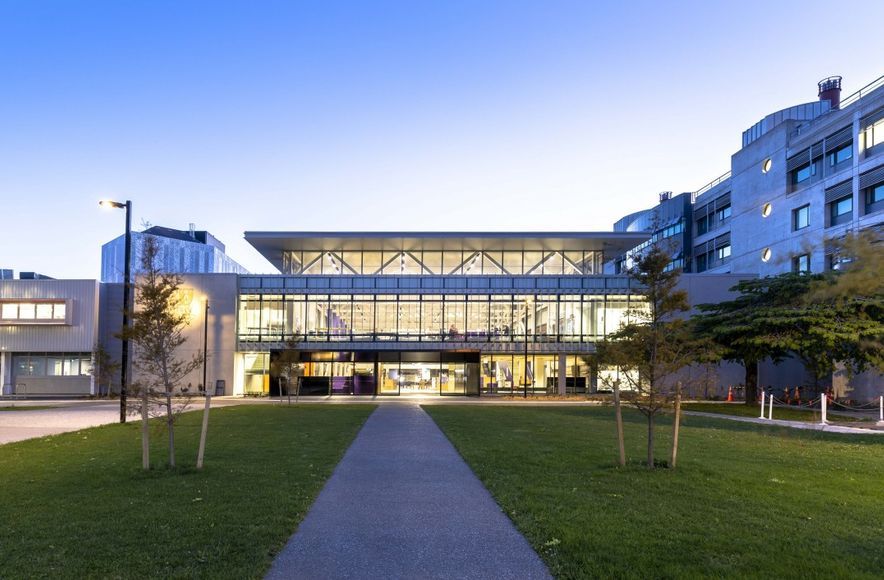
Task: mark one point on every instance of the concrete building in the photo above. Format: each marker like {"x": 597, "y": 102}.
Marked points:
{"x": 804, "y": 175}
{"x": 180, "y": 251}
{"x": 47, "y": 332}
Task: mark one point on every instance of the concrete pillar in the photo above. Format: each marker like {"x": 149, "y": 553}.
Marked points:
{"x": 563, "y": 373}
{"x": 4, "y": 369}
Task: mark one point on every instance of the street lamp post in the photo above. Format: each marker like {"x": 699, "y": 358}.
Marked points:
{"x": 127, "y": 282}
{"x": 205, "y": 347}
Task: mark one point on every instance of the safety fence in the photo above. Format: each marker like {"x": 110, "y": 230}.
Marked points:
{"x": 823, "y": 403}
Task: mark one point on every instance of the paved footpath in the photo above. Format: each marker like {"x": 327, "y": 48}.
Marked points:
{"x": 806, "y": 425}
{"x": 403, "y": 504}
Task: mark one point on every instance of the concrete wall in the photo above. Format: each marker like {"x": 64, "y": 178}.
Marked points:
{"x": 221, "y": 292}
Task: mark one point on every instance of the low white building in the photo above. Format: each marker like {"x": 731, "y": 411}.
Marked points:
{"x": 47, "y": 332}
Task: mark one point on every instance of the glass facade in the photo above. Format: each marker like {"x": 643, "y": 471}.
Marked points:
{"x": 440, "y": 313}
{"x": 483, "y": 318}
{"x": 442, "y": 262}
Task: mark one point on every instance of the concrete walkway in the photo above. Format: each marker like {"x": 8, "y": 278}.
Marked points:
{"x": 793, "y": 424}
{"x": 62, "y": 418}
{"x": 403, "y": 504}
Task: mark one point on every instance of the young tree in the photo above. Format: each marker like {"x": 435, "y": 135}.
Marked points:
{"x": 655, "y": 344}
{"x": 156, "y": 333}
{"x": 287, "y": 368}
{"x": 104, "y": 368}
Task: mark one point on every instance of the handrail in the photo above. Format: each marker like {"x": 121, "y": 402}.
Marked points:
{"x": 858, "y": 95}
{"x": 710, "y": 185}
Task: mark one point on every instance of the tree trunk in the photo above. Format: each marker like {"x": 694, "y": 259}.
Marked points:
{"x": 170, "y": 425}
{"x": 675, "y": 426}
{"x": 288, "y": 390}
{"x": 145, "y": 430}
{"x": 650, "y": 440}
{"x": 618, "y": 415}
{"x": 751, "y": 382}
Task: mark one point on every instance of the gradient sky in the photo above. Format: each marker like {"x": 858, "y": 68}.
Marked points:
{"x": 413, "y": 115}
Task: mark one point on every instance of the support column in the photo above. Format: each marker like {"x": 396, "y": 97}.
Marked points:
{"x": 4, "y": 368}
{"x": 563, "y": 373}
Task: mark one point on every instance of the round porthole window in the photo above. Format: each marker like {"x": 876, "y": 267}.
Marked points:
{"x": 765, "y": 167}
{"x": 765, "y": 255}
{"x": 766, "y": 209}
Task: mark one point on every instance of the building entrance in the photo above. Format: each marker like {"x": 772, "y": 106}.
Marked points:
{"x": 384, "y": 373}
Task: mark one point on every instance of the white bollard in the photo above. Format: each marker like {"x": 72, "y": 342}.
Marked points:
{"x": 763, "y": 400}
{"x": 823, "y": 403}
{"x": 881, "y": 411}
{"x": 770, "y": 409}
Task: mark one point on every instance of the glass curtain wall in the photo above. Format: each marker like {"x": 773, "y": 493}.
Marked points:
{"x": 445, "y": 263}
{"x": 431, "y": 318}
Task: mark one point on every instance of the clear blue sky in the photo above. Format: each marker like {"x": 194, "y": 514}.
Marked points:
{"x": 409, "y": 115}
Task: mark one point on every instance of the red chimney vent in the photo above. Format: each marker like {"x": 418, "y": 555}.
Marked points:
{"x": 830, "y": 90}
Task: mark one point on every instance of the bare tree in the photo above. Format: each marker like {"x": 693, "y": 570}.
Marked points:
{"x": 287, "y": 369}
{"x": 104, "y": 368}
{"x": 161, "y": 314}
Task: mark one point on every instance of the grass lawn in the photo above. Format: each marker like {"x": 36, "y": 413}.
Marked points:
{"x": 78, "y": 505}
{"x": 785, "y": 413}
{"x": 746, "y": 500}
{"x": 4, "y": 408}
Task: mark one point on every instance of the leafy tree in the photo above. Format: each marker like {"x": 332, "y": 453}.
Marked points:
{"x": 104, "y": 368}
{"x": 161, "y": 314}
{"x": 656, "y": 342}
{"x": 856, "y": 290}
{"x": 794, "y": 314}
{"x": 751, "y": 328}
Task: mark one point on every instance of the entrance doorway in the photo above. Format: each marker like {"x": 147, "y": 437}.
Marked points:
{"x": 385, "y": 373}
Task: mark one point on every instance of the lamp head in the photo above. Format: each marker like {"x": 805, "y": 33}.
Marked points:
{"x": 108, "y": 204}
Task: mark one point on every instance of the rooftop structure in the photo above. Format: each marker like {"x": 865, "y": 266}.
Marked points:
{"x": 180, "y": 251}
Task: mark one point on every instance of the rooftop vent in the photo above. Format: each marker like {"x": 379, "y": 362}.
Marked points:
{"x": 830, "y": 90}
{"x": 665, "y": 196}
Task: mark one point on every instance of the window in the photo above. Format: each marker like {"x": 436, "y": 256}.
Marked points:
{"x": 801, "y": 217}
{"x": 801, "y": 264}
{"x": 841, "y": 211}
{"x": 723, "y": 252}
{"x": 841, "y": 154}
{"x": 678, "y": 263}
{"x": 702, "y": 225}
{"x": 803, "y": 173}
{"x": 32, "y": 312}
{"x": 52, "y": 365}
{"x": 672, "y": 230}
{"x": 723, "y": 213}
{"x": 701, "y": 263}
{"x": 875, "y": 198}
{"x": 874, "y": 135}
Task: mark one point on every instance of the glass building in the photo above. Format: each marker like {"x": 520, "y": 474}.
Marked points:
{"x": 435, "y": 313}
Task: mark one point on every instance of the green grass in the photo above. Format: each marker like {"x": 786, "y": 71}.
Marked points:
{"x": 784, "y": 413}
{"x": 746, "y": 500}
{"x": 26, "y": 407}
{"x": 79, "y": 506}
